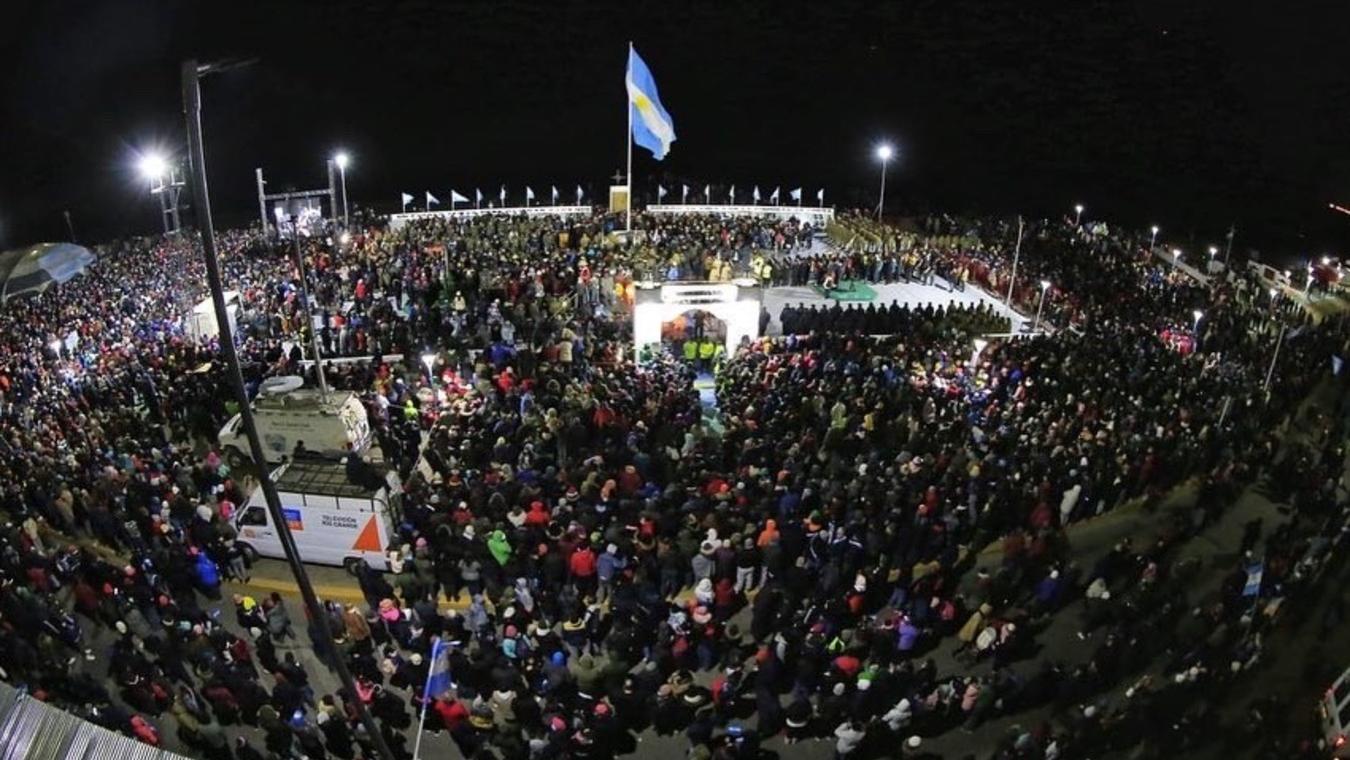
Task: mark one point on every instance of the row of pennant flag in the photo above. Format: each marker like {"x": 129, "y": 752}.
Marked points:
{"x": 456, "y": 198}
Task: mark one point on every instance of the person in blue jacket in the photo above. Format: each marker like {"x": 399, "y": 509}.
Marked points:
{"x": 208, "y": 575}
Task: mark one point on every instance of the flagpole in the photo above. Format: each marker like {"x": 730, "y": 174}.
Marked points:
{"x": 426, "y": 689}
{"x": 628, "y": 106}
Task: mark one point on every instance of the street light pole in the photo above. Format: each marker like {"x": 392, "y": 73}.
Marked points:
{"x": 342, "y": 159}
{"x": 884, "y": 152}
{"x": 1152, "y": 239}
{"x": 1077, "y": 214}
{"x": 1017, "y": 255}
{"x": 192, "y": 111}
{"x": 1040, "y": 305}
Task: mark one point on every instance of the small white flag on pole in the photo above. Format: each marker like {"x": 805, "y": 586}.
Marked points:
{"x": 733, "y": 194}
{"x": 660, "y": 192}
{"x": 477, "y": 197}
{"x": 707, "y": 193}
{"x": 529, "y": 195}
{"x": 820, "y": 196}
{"x": 579, "y": 195}
{"x": 684, "y": 194}
{"x": 432, "y": 199}
{"x": 796, "y": 195}
{"x": 407, "y": 198}
{"x": 755, "y": 195}
{"x": 774, "y": 196}
{"x": 502, "y": 197}
{"x": 456, "y": 198}
{"x": 554, "y": 188}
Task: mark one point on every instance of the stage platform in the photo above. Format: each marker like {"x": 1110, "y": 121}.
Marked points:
{"x": 849, "y": 290}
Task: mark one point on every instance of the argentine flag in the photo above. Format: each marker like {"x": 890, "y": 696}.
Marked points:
{"x": 652, "y": 126}
{"x": 439, "y": 681}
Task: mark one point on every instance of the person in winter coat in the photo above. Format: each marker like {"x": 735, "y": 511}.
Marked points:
{"x": 499, "y": 546}
{"x": 278, "y": 619}
{"x": 207, "y": 574}
{"x": 849, "y": 737}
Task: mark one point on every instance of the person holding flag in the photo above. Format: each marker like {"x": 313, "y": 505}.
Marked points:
{"x": 439, "y": 683}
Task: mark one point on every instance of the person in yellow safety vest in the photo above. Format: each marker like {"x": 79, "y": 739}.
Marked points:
{"x": 759, "y": 266}
{"x": 690, "y": 350}
{"x": 706, "y": 350}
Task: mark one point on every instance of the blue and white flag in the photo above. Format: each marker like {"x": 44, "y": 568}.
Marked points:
{"x": 707, "y": 193}
{"x": 820, "y": 196}
{"x": 795, "y": 195}
{"x": 1255, "y": 573}
{"x": 432, "y": 199}
{"x": 502, "y": 196}
{"x": 529, "y": 195}
{"x": 755, "y": 195}
{"x": 438, "y": 677}
{"x": 579, "y": 194}
{"x": 477, "y": 196}
{"x": 774, "y": 196}
{"x": 407, "y": 198}
{"x": 653, "y": 128}
{"x": 457, "y": 198}
{"x": 660, "y": 192}
{"x": 554, "y": 188}
{"x": 684, "y": 194}
{"x": 733, "y": 193}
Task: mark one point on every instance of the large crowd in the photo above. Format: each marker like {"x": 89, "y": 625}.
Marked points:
{"x": 616, "y": 566}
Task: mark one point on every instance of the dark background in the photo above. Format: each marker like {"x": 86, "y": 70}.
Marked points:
{"x": 1189, "y": 115}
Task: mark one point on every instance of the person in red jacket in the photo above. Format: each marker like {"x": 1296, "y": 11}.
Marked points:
{"x": 538, "y": 516}
{"x": 582, "y": 564}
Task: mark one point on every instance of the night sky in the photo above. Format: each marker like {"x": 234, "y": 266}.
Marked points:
{"x": 1190, "y": 115}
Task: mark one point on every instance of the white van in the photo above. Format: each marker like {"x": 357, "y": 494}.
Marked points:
{"x": 333, "y": 521}
{"x": 293, "y": 415}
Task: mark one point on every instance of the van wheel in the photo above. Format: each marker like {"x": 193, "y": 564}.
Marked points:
{"x": 352, "y": 565}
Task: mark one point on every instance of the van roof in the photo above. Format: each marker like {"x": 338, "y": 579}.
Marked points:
{"x": 305, "y": 399}
{"x": 327, "y": 478}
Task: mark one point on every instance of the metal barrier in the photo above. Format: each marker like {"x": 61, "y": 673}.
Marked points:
{"x": 30, "y": 728}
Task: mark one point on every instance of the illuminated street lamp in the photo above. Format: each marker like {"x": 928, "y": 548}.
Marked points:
{"x": 1152, "y": 238}
{"x": 1176, "y": 257}
{"x": 165, "y": 182}
{"x": 1077, "y": 214}
{"x": 342, "y": 159}
{"x": 884, "y": 154}
{"x": 1040, "y": 305}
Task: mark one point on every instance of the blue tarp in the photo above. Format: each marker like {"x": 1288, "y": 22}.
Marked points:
{"x": 35, "y": 268}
